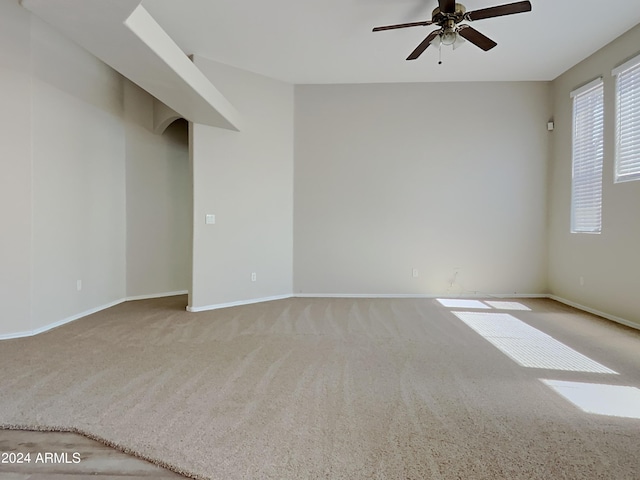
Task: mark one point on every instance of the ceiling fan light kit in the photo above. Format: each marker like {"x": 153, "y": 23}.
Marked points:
{"x": 448, "y": 15}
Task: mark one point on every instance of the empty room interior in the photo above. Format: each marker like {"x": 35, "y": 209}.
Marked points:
{"x": 326, "y": 239}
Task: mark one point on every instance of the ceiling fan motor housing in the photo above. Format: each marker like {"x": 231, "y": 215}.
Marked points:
{"x": 439, "y": 17}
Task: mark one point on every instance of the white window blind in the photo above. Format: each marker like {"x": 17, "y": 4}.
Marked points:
{"x": 627, "y": 163}
{"x": 588, "y": 130}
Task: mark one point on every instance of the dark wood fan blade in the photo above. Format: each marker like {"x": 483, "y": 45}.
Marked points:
{"x": 475, "y": 37}
{"x": 447, "y": 6}
{"x": 499, "y": 11}
{"x": 423, "y": 46}
{"x": 402, "y": 25}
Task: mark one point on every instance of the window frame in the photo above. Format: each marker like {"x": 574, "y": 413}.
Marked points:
{"x": 632, "y": 67}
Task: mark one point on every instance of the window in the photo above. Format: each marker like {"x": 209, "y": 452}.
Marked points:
{"x": 627, "y": 163}
{"x": 586, "y": 185}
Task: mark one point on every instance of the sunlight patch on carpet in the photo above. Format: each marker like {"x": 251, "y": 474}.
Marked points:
{"x": 528, "y": 346}
{"x": 614, "y": 400}
{"x": 462, "y": 303}
{"x": 508, "y": 305}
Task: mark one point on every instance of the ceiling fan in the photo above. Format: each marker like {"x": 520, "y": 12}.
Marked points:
{"x": 448, "y": 14}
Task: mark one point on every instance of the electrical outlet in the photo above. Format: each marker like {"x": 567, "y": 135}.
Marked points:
{"x": 254, "y": 277}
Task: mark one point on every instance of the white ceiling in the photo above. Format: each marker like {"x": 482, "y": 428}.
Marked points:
{"x": 125, "y": 36}
{"x": 330, "y": 41}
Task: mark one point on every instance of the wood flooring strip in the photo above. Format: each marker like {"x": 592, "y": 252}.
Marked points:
{"x": 96, "y": 459}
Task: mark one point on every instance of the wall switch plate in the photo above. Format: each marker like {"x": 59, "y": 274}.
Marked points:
{"x": 79, "y": 285}
{"x": 210, "y": 219}
{"x": 254, "y": 277}
{"x": 414, "y": 273}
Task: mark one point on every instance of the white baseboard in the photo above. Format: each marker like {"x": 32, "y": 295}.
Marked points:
{"x": 237, "y": 303}
{"x": 30, "y": 333}
{"x": 335, "y": 295}
{"x": 419, "y": 295}
{"x": 362, "y": 295}
{"x": 613, "y": 318}
{"x": 156, "y": 295}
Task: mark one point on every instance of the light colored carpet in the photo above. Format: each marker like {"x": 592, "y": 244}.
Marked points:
{"x": 324, "y": 388}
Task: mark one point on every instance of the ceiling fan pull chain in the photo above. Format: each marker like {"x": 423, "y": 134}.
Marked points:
{"x": 440, "y": 54}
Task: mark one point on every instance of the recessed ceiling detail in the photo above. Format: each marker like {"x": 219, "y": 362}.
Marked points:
{"x": 125, "y": 36}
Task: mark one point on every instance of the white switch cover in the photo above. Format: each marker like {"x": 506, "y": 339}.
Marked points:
{"x": 210, "y": 219}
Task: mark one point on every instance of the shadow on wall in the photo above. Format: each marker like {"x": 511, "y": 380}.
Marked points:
{"x": 178, "y": 132}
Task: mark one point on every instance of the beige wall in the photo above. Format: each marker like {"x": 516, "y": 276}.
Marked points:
{"x": 437, "y": 177}
{"x": 158, "y": 200}
{"x": 609, "y": 262}
{"x": 63, "y": 176}
{"x": 78, "y": 154}
{"x": 246, "y": 179}
{"x": 65, "y": 152}
{"x": 15, "y": 168}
